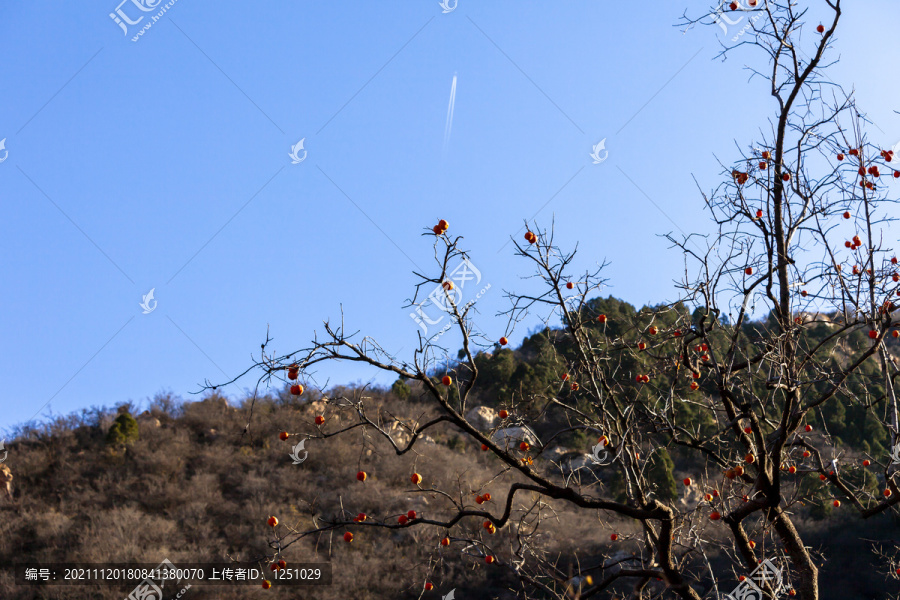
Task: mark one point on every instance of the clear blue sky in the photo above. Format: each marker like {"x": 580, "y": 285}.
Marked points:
{"x": 163, "y": 163}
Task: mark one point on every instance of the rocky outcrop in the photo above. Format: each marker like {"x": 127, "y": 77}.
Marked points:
{"x": 482, "y": 417}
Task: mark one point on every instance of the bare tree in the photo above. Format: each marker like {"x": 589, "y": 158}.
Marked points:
{"x": 698, "y": 376}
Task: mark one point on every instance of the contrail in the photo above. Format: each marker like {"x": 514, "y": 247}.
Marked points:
{"x": 450, "y": 108}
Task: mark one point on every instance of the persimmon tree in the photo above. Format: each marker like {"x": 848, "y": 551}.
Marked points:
{"x": 783, "y": 318}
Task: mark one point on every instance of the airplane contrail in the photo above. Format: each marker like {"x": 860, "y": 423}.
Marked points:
{"x": 450, "y": 108}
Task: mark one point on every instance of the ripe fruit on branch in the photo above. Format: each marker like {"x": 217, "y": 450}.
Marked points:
{"x": 759, "y": 213}
{"x": 752, "y": 544}
{"x": 444, "y": 225}
{"x": 694, "y": 385}
{"x": 524, "y": 446}
{"x": 487, "y": 524}
{"x": 887, "y": 493}
{"x": 653, "y": 330}
{"x": 503, "y": 341}
{"x": 763, "y": 166}
{"x": 446, "y": 380}
{"x": 416, "y": 478}
{"x": 293, "y": 372}
{"x": 687, "y": 481}
{"x": 614, "y": 537}
{"x": 570, "y": 285}
{"x": 808, "y": 428}
{"x": 411, "y": 515}
{"x": 792, "y": 469}
{"x": 873, "y": 334}
{"x": 361, "y": 475}
{"x": 437, "y": 230}
{"x": 320, "y": 420}
{"x": 822, "y": 477}
{"x": 564, "y": 376}
{"x": 715, "y": 515}
{"x": 489, "y": 559}
{"x": 487, "y": 497}
{"x": 749, "y": 459}
{"x": 574, "y": 386}
{"x": 867, "y": 462}
{"x": 748, "y": 430}
{"x": 603, "y": 440}
{"x": 429, "y": 586}
{"x": 504, "y": 414}
{"x": 484, "y": 447}
{"x": 284, "y": 435}
{"x": 820, "y": 28}
{"x": 766, "y": 154}
{"x": 447, "y": 285}
{"x": 530, "y": 237}
{"x": 836, "y": 503}
{"x": 601, "y": 318}
{"x": 348, "y": 537}
{"x": 846, "y": 214}
{"x": 749, "y": 270}
{"x": 642, "y": 346}
{"x": 266, "y": 584}
{"x": 840, "y": 156}
{"x": 272, "y": 521}
{"x": 738, "y": 471}
{"x": 853, "y": 152}
{"x": 296, "y": 389}
{"x": 403, "y": 520}
{"x": 360, "y": 517}
{"x": 806, "y": 454}
{"x": 282, "y": 564}
{"x": 445, "y": 541}
{"x": 479, "y": 499}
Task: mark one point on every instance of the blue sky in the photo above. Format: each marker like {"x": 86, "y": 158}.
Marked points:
{"x": 164, "y": 163}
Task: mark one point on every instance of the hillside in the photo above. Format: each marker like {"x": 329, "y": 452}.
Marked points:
{"x": 191, "y": 485}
